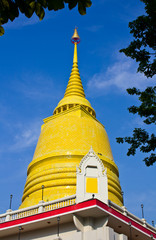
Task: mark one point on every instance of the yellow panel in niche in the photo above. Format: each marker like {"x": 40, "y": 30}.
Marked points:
{"x": 91, "y": 185}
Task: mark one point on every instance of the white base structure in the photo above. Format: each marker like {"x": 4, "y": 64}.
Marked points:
{"x": 88, "y": 220}
{"x": 88, "y": 215}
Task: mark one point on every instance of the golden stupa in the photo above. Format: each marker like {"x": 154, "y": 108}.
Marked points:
{"x": 65, "y": 138}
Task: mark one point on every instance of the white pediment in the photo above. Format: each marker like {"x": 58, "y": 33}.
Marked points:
{"x": 91, "y": 178}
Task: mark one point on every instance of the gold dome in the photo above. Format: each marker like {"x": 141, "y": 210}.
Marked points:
{"x": 64, "y": 140}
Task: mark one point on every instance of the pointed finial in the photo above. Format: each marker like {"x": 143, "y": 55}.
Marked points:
{"x": 91, "y": 150}
{"x": 75, "y": 38}
{"x": 74, "y": 86}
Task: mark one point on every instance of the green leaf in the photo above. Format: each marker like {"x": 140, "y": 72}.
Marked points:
{"x": 72, "y": 4}
{"x": 1, "y": 30}
{"x": 55, "y": 5}
{"x": 120, "y": 140}
{"x": 42, "y": 14}
{"x": 150, "y": 160}
{"x": 32, "y": 5}
{"x": 88, "y": 3}
{"x": 59, "y": 4}
{"x": 4, "y": 19}
{"x": 43, "y": 3}
{"x": 29, "y": 12}
{"x": 81, "y": 8}
{"x": 50, "y": 5}
{"x": 39, "y": 11}
{"x": 28, "y": 2}
{"x": 22, "y": 5}
{"x": 13, "y": 11}
{"x": 5, "y": 4}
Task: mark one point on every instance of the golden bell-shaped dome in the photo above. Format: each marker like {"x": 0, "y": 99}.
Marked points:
{"x": 75, "y": 37}
{"x": 64, "y": 140}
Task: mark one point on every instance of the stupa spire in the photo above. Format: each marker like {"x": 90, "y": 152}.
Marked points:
{"x": 74, "y": 86}
{"x": 74, "y": 94}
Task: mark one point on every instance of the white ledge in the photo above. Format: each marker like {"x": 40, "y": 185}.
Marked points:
{"x": 41, "y": 207}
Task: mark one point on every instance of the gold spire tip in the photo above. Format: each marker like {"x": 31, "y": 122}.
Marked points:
{"x": 75, "y": 38}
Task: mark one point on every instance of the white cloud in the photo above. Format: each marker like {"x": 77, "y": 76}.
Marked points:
{"x": 26, "y": 136}
{"x": 22, "y": 21}
{"x": 36, "y": 86}
{"x": 120, "y": 76}
{"x": 94, "y": 28}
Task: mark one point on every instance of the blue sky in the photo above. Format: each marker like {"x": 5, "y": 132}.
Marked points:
{"x": 35, "y": 64}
